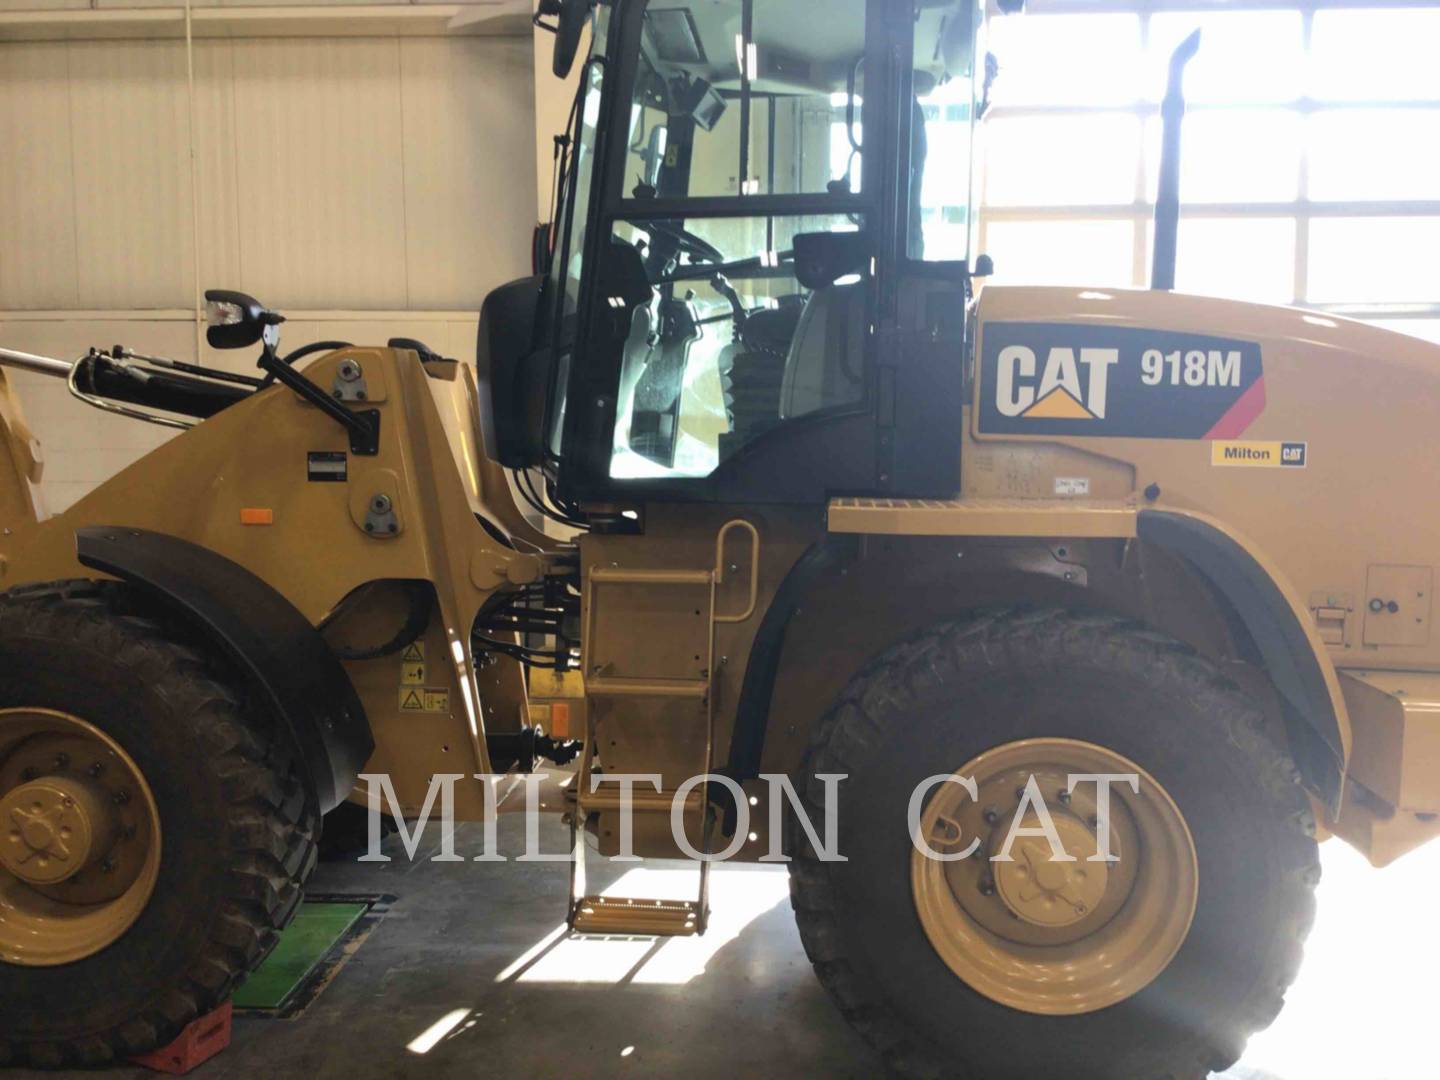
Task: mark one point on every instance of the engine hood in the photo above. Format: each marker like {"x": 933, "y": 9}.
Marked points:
{"x": 1314, "y": 436}
{"x": 1121, "y": 363}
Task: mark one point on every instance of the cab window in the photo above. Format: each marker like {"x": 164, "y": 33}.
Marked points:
{"x": 717, "y": 340}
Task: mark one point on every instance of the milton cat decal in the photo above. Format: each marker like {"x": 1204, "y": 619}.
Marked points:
{"x": 1067, "y": 379}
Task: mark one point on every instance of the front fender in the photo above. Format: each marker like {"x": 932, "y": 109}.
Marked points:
{"x": 284, "y": 656}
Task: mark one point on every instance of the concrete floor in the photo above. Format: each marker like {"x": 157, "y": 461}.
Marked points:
{"x": 470, "y": 974}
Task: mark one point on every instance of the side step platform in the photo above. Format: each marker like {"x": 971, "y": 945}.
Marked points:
{"x": 662, "y": 918}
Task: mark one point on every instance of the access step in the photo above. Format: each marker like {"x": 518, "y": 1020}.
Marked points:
{"x": 617, "y": 915}
{"x": 620, "y": 686}
{"x": 606, "y": 797}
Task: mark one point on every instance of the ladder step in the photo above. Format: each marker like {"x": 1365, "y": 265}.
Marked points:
{"x": 623, "y": 687}
{"x": 614, "y": 915}
{"x": 642, "y": 800}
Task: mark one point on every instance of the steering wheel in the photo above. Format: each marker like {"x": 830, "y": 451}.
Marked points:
{"x": 697, "y": 247}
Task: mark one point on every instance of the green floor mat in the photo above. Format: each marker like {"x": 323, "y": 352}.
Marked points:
{"x": 316, "y": 929}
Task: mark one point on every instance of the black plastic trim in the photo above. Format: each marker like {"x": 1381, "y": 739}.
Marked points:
{"x": 752, "y": 711}
{"x": 1280, "y": 638}
{"x": 285, "y": 657}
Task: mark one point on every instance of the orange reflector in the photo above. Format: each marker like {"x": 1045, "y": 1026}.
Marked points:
{"x": 252, "y": 515}
{"x": 559, "y": 720}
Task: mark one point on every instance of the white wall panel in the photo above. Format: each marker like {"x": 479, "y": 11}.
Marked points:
{"x": 37, "y": 226}
{"x": 321, "y": 188}
{"x": 130, "y": 131}
{"x": 468, "y": 106}
{"x": 218, "y": 145}
{"x": 376, "y": 186}
{"x": 43, "y": 5}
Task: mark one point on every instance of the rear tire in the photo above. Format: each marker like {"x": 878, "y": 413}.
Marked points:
{"x": 237, "y": 826}
{"x": 941, "y": 699}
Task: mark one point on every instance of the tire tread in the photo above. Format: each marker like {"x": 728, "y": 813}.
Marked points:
{"x": 272, "y": 833}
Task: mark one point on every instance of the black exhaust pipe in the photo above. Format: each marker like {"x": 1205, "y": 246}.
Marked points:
{"x": 1167, "y": 201}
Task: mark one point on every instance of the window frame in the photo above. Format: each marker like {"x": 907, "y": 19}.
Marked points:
{"x": 591, "y": 417}
{"x": 1139, "y": 212}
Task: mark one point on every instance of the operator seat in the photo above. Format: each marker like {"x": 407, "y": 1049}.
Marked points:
{"x": 825, "y": 367}
{"x": 628, "y": 324}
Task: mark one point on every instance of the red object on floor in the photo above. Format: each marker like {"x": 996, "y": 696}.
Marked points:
{"x": 197, "y": 1044}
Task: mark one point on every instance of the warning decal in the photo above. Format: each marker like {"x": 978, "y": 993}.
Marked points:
{"x": 424, "y": 699}
{"x": 1066, "y": 379}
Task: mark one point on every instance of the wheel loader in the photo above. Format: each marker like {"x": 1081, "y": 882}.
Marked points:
{"x": 939, "y": 555}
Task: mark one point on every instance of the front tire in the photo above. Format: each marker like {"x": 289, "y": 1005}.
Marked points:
{"x": 1006, "y": 683}
{"x": 234, "y": 830}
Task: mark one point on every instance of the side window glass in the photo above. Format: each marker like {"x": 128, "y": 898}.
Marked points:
{"x": 946, "y": 52}
{"x": 722, "y": 344}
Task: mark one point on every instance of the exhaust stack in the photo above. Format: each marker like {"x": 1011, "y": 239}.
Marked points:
{"x": 1167, "y": 201}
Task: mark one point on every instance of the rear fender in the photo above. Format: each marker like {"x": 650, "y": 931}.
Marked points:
{"x": 1266, "y": 606}
{"x": 1278, "y": 623}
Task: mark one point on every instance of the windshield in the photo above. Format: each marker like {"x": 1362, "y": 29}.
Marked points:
{"x": 575, "y": 184}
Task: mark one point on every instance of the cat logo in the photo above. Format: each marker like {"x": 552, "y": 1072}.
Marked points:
{"x": 1063, "y": 391}
{"x": 1096, "y": 380}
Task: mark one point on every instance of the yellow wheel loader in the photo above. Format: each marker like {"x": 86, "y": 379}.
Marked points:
{"x": 1043, "y": 631}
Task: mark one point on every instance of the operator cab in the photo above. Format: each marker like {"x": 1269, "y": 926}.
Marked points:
{"x": 748, "y": 184}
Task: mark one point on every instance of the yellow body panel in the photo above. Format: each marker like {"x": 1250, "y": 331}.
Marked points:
{"x": 1363, "y": 399}
{"x": 21, "y": 466}
{"x": 316, "y": 552}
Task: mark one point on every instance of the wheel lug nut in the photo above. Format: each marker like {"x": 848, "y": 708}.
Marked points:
{"x": 96, "y": 769}
{"x": 1020, "y": 793}
{"x": 62, "y": 760}
{"x": 991, "y": 815}
{"x": 30, "y": 773}
{"x": 1065, "y": 797}
{"x": 122, "y": 797}
{"x": 108, "y": 866}
{"x": 987, "y": 887}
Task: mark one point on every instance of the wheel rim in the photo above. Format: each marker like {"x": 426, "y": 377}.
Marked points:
{"x": 79, "y": 838}
{"x": 1045, "y": 936}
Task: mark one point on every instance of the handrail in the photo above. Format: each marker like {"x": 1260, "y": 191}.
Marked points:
{"x": 95, "y": 401}
{"x": 739, "y": 523}
{"x": 39, "y": 365}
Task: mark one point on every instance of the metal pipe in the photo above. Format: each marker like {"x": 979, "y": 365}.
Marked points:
{"x": 40, "y": 365}
{"x": 1167, "y": 200}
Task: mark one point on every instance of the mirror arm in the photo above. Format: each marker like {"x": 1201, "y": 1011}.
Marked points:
{"x": 364, "y": 427}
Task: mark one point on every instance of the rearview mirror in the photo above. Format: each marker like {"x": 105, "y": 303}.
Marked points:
{"x": 570, "y": 18}
{"x": 654, "y": 153}
{"x": 235, "y": 320}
